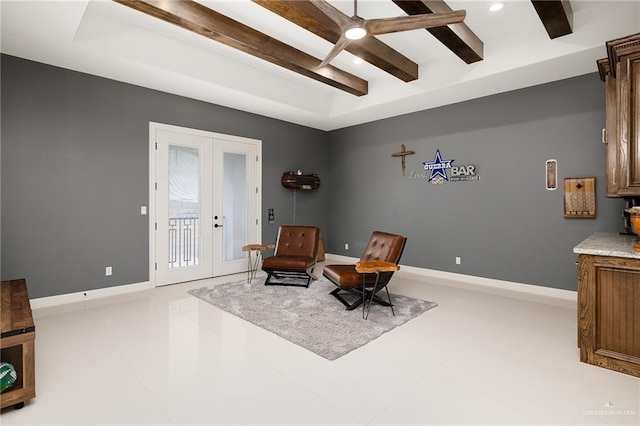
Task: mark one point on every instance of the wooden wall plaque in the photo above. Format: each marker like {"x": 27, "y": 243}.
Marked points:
{"x": 580, "y": 197}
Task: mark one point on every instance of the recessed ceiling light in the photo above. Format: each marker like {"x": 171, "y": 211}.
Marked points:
{"x": 496, "y": 7}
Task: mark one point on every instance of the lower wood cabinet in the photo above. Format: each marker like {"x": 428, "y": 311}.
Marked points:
{"x": 17, "y": 342}
{"x": 609, "y": 312}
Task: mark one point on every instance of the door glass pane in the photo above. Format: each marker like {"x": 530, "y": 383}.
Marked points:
{"x": 234, "y": 206}
{"x": 184, "y": 206}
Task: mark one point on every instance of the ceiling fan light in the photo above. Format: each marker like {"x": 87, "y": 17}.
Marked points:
{"x": 355, "y": 33}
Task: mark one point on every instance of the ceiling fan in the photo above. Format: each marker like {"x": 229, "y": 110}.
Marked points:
{"x": 355, "y": 28}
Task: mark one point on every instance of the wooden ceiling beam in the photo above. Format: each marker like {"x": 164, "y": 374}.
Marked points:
{"x": 556, "y": 16}
{"x": 457, "y": 37}
{"x": 199, "y": 19}
{"x": 304, "y": 14}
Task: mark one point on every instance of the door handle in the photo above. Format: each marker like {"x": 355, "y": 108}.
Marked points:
{"x": 217, "y": 226}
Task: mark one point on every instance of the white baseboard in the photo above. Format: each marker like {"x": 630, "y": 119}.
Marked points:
{"x": 463, "y": 281}
{"x": 62, "y": 299}
{"x": 472, "y": 282}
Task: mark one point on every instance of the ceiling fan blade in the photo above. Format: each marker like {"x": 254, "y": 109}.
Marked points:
{"x": 334, "y": 14}
{"x": 413, "y": 22}
{"x": 337, "y": 48}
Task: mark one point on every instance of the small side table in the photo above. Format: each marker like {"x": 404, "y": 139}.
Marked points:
{"x": 252, "y": 267}
{"x": 375, "y": 267}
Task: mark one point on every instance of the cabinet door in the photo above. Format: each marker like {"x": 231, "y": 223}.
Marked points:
{"x": 611, "y": 125}
{"x": 628, "y": 84}
{"x": 609, "y": 313}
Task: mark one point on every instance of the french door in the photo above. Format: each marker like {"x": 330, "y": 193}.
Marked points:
{"x": 204, "y": 202}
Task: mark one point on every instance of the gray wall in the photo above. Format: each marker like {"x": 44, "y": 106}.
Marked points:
{"x": 507, "y": 225}
{"x": 75, "y": 173}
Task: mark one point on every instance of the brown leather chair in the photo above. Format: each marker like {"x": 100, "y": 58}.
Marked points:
{"x": 294, "y": 257}
{"x": 381, "y": 247}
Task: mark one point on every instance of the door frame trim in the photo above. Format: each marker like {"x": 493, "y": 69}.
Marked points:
{"x": 151, "y": 211}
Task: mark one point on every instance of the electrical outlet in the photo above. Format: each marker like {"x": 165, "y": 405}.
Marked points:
{"x": 346, "y": 246}
{"x": 458, "y": 260}
{"x": 108, "y": 271}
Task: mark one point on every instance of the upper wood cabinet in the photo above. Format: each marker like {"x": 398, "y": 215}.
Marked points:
{"x": 621, "y": 73}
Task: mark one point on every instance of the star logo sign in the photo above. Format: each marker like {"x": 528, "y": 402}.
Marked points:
{"x": 438, "y": 167}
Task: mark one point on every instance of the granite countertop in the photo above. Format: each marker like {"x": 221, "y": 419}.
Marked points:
{"x": 609, "y": 244}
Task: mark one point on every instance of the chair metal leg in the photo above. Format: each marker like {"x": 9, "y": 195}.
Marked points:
{"x": 363, "y": 296}
{"x": 349, "y": 305}
{"x": 305, "y": 277}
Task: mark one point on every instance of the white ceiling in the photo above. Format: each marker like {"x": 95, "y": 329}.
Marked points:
{"x": 113, "y": 41}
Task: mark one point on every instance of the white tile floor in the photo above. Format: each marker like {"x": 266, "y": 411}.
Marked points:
{"x": 162, "y": 357}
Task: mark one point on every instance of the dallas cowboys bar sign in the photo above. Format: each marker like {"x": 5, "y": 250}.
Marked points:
{"x": 439, "y": 171}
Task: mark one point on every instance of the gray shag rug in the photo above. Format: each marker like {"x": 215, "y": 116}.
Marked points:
{"x": 310, "y": 317}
